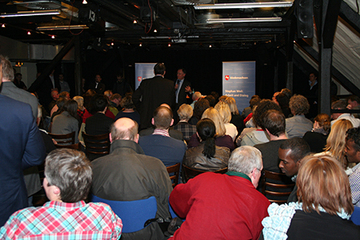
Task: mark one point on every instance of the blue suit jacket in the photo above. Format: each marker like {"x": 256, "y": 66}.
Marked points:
{"x": 21, "y": 146}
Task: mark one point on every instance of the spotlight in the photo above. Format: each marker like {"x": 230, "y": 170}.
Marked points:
{"x": 140, "y": 44}
{"x": 84, "y": 2}
{"x": 155, "y": 31}
{"x": 53, "y": 36}
{"x": 134, "y": 22}
{"x": 169, "y": 45}
{"x": 3, "y": 25}
{"x": 28, "y": 33}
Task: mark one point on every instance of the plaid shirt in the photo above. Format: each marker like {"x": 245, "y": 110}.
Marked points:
{"x": 59, "y": 220}
{"x": 186, "y": 128}
{"x": 354, "y": 180}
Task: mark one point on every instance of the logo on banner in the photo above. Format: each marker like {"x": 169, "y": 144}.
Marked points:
{"x": 227, "y": 77}
{"x": 139, "y": 78}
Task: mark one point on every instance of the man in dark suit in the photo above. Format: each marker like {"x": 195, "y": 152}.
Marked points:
{"x": 182, "y": 88}
{"x": 44, "y": 91}
{"x": 21, "y": 146}
{"x": 97, "y": 85}
{"x": 153, "y": 92}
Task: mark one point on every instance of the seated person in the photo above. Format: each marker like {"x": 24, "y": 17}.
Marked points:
{"x": 207, "y": 156}
{"x": 128, "y": 109}
{"x": 185, "y": 112}
{"x": 323, "y": 209}
{"x": 99, "y": 123}
{"x": 67, "y": 182}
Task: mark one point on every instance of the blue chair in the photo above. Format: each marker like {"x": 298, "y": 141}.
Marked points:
{"x": 133, "y": 214}
{"x": 355, "y": 217}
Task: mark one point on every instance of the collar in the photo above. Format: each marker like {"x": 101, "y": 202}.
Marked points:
{"x": 161, "y": 132}
{"x": 159, "y": 75}
{"x": 355, "y": 167}
{"x": 126, "y": 144}
{"x": 239, "y": 174}
{"x": 67, "y": 206}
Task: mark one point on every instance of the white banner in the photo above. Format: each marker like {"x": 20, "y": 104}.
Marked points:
{"x": 143, "y": 71}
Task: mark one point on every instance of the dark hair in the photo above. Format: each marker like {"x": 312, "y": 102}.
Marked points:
{"x": 60, "y": 103}
{"x": 162, "y": 117}
{"x": 211, "y": 99}
{"x": 206, "y": 130}
{"x": 127, "y": 102}
{"x": 283, "y": 100}
{"x": 324, "y": 121}
{"x": 354, "y": 98}
{"x": 200, "y": 106}
{"x": 71, "y": 107}
{"x": 70, "y": 171}
{"x": 261, "y": 109}
{"x": 99, "y": 102}
{"x": 159, "y": 68}
{"x": 274, "y": 122}
{"x": 339, "y": 104}
{"x": 354, "y": 134}
{"x": 182, "y": 69}
{"x": 298, "y": 146}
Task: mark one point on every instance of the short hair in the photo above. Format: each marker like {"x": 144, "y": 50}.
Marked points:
{"x": 80, "y": 101}
{"x": 159, "y": 68}
{"x": 339, "y": 104}
{"x": 206, "y": 130}
{"x": 182, "y": 69}
{"x": 70, "y": 171}
{"x": 322, "y": 182}
{"x": 232, "y": 104}
{"x": 185, "y": 112}
{"x": 223, "y": 98}
{"x": 299, "y": 104}
{"x": 211, "y": 99}
{"x": 162, "y": 117}
{"x": 324, "y": 121}
{"x": 99, "y": 102}
{"x": 354, "y": 98}
{"x": 274, "y": 122}
{"x": 335, "y": 143}
{"x": 7, "y": 70}
{"x": 124, "y": 134}
{"x": 115, "y": 96}
{"x": 261, "y": 109}
{"x": 254, "y": 101}
{"x": 64, "y": 94}
{"x": 214, "y": 115}
{"x": 127, "y": 102}
{"x": 108, "y": 93}
{"x": 200, "y": 106}
{"x": 283, "y": 100}
{"x": 224, "y": 111}
{"x": 298, "y": 146}
{"x": 244, "y": 159}
{"x": 196, "y": 95}
{"x": 18, "y": 74}
{"x": 354, "y": 134}
{"x": 71, "y": 107}
{"x": 287, "y": 92}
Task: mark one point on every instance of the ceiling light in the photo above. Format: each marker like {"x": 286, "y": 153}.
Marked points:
{"x": 140, "y": 44}
{"x": 155, "y": 31}
{"x": 53, "y": 36}
{"x": 244, "y": 20}
{"x": 3, "y": 25}
{"x": 112, "y": 43}
{"x": 31, "y": 13}
{"x": 84, "y": 2}
{"x": 28, "y": 33}
{"x": 210, "y": 46}
{"x": 134, "y": 22}
{"x": 61, "y": 27}
{"x": 243, "y": 5}
{"x": 169, "y": 45}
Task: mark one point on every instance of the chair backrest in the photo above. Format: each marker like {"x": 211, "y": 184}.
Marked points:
{"x": 75, "y": 146}
{"x": 189, "y": 173}
{"x": 355, "y": 217}
{"x": 133, "y": 214}
{"x": 98, "y": 145}
{"x": 63, "y": 139}
{"x": 276, "y": 190}
{"x": 174, "y": 172}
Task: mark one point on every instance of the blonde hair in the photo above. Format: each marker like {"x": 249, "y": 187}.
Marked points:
{"x": 335, "y": 142}
{"x": 322, "y": 182}
{"x": 224, "y": 111}
{"x": 185, "y": 112}
{"x": 214, "y": 115}
{"x": 232, "y": 104}
{"x": 80, "y": 102}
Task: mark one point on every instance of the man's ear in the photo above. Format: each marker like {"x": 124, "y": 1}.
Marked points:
{"x": 110, "y": 138}
{"x": 56, "y": 190}
{"x": 152, "y": 121}
{"x": 136, "y": 139}
{"x": 172, "y": 122}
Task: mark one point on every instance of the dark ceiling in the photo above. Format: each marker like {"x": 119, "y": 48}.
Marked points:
{"x": 177, "y": 22}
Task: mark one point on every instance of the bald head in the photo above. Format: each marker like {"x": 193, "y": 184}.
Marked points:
{"x": 124, "y": 129}
{"x": 165, "y": 105}
{"x": 163, "y": 117}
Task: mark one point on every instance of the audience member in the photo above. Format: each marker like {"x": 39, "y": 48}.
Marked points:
{"x": 64, "y": 86}
{"x": 97, "y": 85}
{"x": 153, "y": 92}
{"x": 67, "y": 182}
{"x": 128, "y": 109}
{"x": 283, "y": 101}
{"x": 211, "y": 99}
{"x": 223, "y": 206}
{"x": 98, "y": 123}
{"x": 81, "y": 108}
{"x": 185, "y": 112}
{"x": 121, "y": 86}
{"x": 254, "y": 101}
{"x": 200, "y": 106}
{"x": 127, "y": 174}
{"x": 298, "y": 125}
{"x": 316, "y": 138}
{"x": 354, "y": 104}
{"x": 21, "y": 147}
{"x": 324, "y": 207}
{"x": 160, "y": 145}
{"x": 225, "y": 114}
{"x": 236, "y": 118}
{"x": 207, "y": 156}
{"x": 291, "y": 152}
{"x": 67, "y": 121}
{"x": 10, "y": 90}
{"x": 341, "y": 105}
{"x": 195, "y": 97}
{"x": 352, "y": 153}
{"x": 18, "y": 81}
{"x": 221, "y": 139}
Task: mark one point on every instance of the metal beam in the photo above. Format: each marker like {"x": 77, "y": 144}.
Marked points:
{"x": 350, "y": 16}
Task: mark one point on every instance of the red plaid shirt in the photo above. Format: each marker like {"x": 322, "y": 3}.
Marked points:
{"x": 59, "y": 220}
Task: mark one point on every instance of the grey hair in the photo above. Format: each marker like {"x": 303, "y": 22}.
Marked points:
{"x": 244, "y": 159}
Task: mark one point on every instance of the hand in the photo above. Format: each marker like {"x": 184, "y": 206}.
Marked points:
{"x": 176, "y": 86}
{"x": 187, "y": 89}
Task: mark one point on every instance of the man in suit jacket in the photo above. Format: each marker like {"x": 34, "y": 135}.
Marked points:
{"x": 153, "y": 92}
{"x": 98, "y": 86}
{"x": 21, "y": 146}
{"x": 182, "y": 87}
